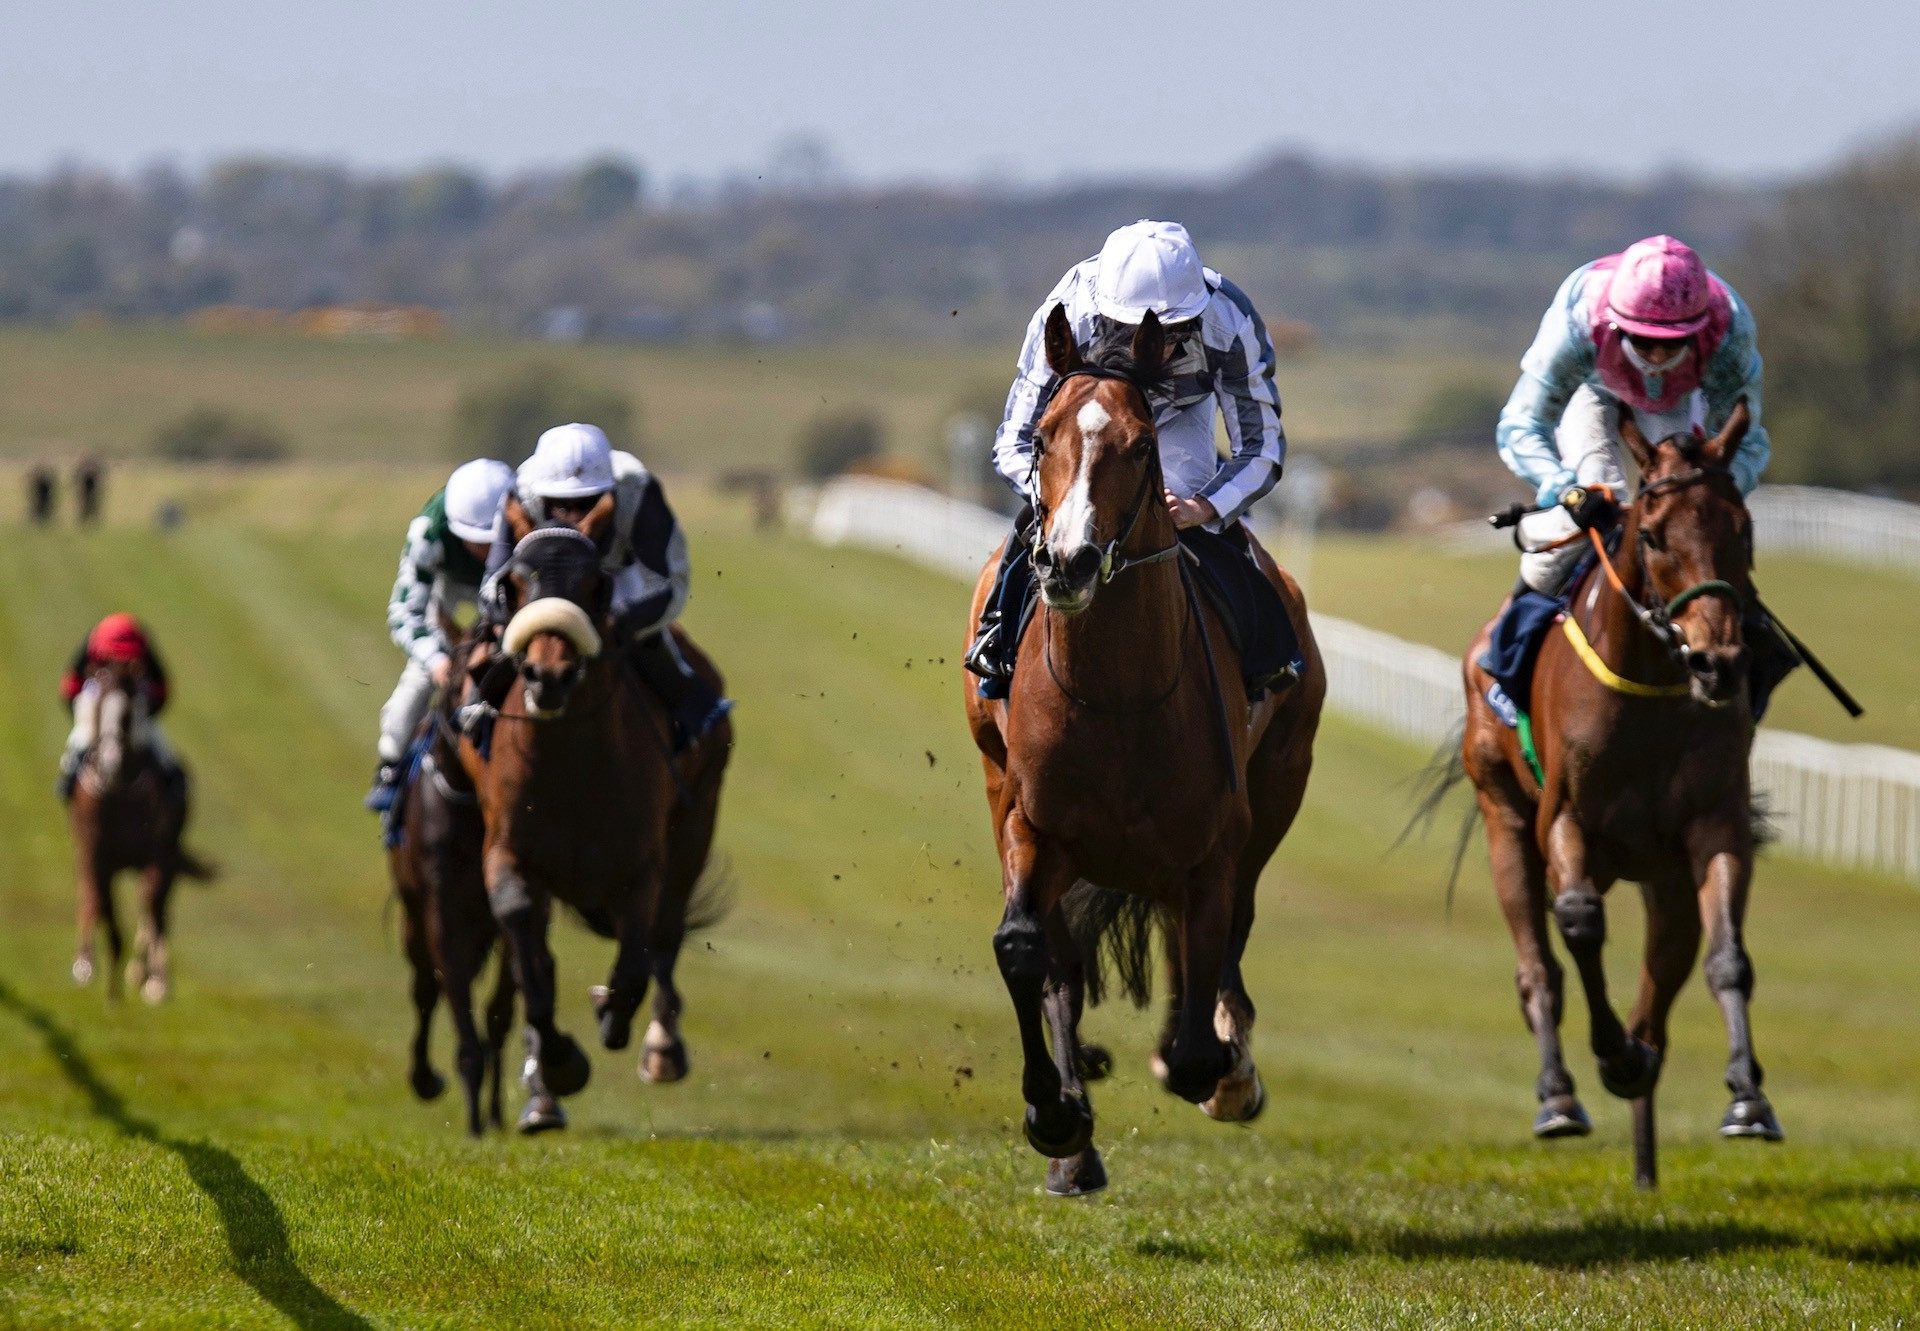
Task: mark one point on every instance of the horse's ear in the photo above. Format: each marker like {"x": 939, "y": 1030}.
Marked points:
{"x": 1717, "y": 450}
{"x": 1635, "y": 440}
{"x": 597, "y": 526}
{"x": 1149, "y": 348}
{"x": 1063, "y": 352}
{"x": 519, "y": 521}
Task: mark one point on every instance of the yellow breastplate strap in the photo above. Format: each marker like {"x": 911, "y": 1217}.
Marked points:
{"x": 1607, "y": 675}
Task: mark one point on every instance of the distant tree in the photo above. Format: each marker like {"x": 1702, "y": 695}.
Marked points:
{"x": 604, "y": 188}
{"x": 211, "y": 434}
{"x": 503, "y": 419}
{"x": 446, "y": 199}
{"x": 837, "y": 441}
{"x": 1461, "y": 409}
{"x": 1833, "y": 277}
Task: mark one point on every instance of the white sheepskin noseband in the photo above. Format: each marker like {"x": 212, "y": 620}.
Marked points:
{"x": 552, "y": 614}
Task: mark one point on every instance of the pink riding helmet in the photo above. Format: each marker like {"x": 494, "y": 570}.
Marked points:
{"x": 1660, "y": 289}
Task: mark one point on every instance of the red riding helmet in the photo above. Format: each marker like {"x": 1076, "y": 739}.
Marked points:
{"x": 118, "y": 637}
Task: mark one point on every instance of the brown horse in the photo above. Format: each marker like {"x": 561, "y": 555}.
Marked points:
{"x": 1642, "y": 725}
{"x": 583, "y": 801}
{"x": 127, "y": 815}
{"x": 1122, "y": 759}
{"x": 449, "y": 932}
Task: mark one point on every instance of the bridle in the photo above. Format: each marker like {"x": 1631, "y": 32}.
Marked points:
{"x": 1112, "y": 562}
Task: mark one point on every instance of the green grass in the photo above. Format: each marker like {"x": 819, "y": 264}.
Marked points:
{"x": 847, "y": 1151}
{"x": 701, "y": 408}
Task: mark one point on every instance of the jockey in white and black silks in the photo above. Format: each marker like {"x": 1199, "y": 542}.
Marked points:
{"x": 1649, "y": 331}
{"x": 571, "y": 468}
{"x": 1222, "y": 361}
{"x": 441, "y": 565}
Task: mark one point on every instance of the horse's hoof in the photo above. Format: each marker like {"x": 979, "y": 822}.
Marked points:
{"x": 1157, "y": 1065}
{"x": 1752, "y": 1118}
{"x": 1076, "y": 1176}
{"x": 1073, "y": 1137}
{"x": 136, "y": 972}
{"x": 1236, "y": 1101}
{"x": 665, "y": 1065}
{"x": 1633, "y": 1071}
{"x": 1561, "y": 1116}
{"x": 542, "y": 1114}
{"x": 426, "y": 1083}
{"x": 1196, "y": 1080}
{"x": 1095, "y": 1063}
{"x": 155, "y": 990}
{"x": 564, "y": 1068}
{"x": 83, "y": 970}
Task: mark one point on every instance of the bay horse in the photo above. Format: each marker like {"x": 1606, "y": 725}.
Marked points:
{"x": 1642, "y": 725}
{"x": 583, "y": 801}
{"x": 1121, "y": 759}
{"x": 125, "y": 815}
{"x": 449, "y": 932}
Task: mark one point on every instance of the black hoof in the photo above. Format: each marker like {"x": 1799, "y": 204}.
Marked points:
{"x": 564, "y": 1068}
{"x": 1561, "y": 1116}
{"x": 1632, "y": 1072}
{"x": 1095, "y": 1063}
{"x": 427, "y": 1084}
{"x": 1196, "y": 1081}
{"x": 1076, "y": 1176}
{"x": 542, "y": 1114}
{"x": 1067, "y": 1138}
{"x": 616, "y": 1026}
{"x": 1752, "y": 1118}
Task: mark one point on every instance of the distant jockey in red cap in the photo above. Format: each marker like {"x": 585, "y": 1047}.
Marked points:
{"x": 117, "y": 638}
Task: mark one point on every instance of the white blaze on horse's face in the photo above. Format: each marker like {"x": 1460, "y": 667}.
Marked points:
{"x": 1071, "y": 532}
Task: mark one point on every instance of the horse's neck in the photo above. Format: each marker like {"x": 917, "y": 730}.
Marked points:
{"x": 1126, "y": 646}
{"x": 1616, "y": 633}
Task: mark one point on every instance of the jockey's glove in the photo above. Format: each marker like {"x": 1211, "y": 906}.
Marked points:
{"x": 1588, "y": 507}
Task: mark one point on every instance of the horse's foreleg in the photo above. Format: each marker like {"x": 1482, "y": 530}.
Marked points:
{"x": 615, "y": 1002}
{"x": 1198, "y": 1058}
{"x": 523, "y": 919}
{"x": 149, "y": 969}
{"x": 499, "y": 1026}
{"x": 1673, "y": 941}
{"x": 1057, "y": 1125}
{"x": 1240, "y": 1097}
{"x": 1520, "y": 882}
{"x": 424, "y": 989}
{"x": 663, "y": 1054}
{"x": 1724, "y": 875}
{"x": 93, "y": 909}
{"x": 1628, "y": 1066}
{"x": 1063, "y": 1000}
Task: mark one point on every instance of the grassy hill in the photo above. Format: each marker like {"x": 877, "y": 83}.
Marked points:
{"x": 847, "y": 1150}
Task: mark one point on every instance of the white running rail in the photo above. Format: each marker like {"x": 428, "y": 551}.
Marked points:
{"x": 1850, "y": 804}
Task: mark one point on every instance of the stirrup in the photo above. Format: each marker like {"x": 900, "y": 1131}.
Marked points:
{"x": 385, "y": 789}
{"x": 983, "y": 657}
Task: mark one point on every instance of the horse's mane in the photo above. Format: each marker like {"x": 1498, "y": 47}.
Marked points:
{"x": 1112, "y": 351}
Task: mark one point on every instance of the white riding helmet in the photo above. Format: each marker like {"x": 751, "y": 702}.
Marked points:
{"x": 569, "y": 462}
{"x": 473, "y": 497}
{"x": 1150, "y": 266}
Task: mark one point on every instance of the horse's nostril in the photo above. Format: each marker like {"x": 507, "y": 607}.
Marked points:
{"x": 1082, "y": 564}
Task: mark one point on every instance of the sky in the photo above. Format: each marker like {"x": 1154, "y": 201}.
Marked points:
{"x": 981, "y": 89}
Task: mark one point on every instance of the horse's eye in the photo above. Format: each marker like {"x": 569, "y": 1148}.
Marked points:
{"x": 1655, "y": 541}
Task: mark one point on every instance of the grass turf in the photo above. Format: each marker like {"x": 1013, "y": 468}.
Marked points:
{"x": 847, "y": 1150}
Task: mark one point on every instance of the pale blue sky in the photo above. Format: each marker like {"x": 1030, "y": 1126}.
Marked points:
{"x": 1022, "y": 91}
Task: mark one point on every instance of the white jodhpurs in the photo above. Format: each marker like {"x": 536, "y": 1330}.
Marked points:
{"x": 400, "y": 717}
{"x": 1589, "y": 444}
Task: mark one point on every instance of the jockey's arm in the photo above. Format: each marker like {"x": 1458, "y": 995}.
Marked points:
{"x": 154, "y": 682}
{"x": 653, "y": 589}
{"x": 1033, "y": 383}
{"x": 1735, "y": 372}
{"x": 75, "y": 677}
{"x": 1558, "y": 362}
{"x": 410, "y": 621}
{"x": 1249, "y": 402}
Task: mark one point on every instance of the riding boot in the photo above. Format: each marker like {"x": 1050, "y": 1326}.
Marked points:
{"x": 997, "y": 642}
{"x": 385, "y": 788}
{"x": 691, "y": 701}
{"x": 69, "y": 775}
{"x": 1770, "y": 658}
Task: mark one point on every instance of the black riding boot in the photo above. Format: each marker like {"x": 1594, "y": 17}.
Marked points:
{"x": 1770, "y": 658}
{"x": 997, "y": 641}
{"x": 691, "y": 701}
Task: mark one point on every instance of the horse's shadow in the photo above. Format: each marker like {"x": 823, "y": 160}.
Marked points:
{"x": 1600, "y": 1241}
{"x": 256, "y": 1232}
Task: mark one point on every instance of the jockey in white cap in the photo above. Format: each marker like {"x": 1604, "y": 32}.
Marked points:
{"x": 571, "y": 468}
{"x": 441, "y": 565}
{"x": 1221, "y": 362}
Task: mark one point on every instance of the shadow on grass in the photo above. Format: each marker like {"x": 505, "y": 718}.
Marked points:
{"x": 1602, "y": 1241}
{"x": 256, "y": 1231}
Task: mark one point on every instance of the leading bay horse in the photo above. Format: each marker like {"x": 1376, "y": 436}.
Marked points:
{"x": 584, "y": 802}
{"x": 1122, "y": 759}
{"x": 1642, "y": 725}
{"x": 125, "y": 815}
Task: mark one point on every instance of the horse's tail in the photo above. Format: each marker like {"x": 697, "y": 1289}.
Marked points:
{"x": 1445, "y": 770}
{"x": 1112, "y": 929}
{"x": 191, "y": 866}
{"x": 711, "y": 899}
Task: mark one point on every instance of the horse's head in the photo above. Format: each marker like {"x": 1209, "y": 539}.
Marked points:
{"x": 1696, "y": 542}
{"x": 112, "y": 715}
{"x": 1096, "y": 463}
{"x": 559, "y": 596}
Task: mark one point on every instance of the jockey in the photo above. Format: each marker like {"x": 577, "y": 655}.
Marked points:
{"x": 1649, "y": 331}
{"x": 117, "y": 638}
{"x": 441, "y": 565}
{"x": 571, "y": 468}
{"x": 1221, "y": 360}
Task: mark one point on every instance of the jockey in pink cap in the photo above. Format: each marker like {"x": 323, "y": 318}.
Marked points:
{"x": 1650, "y": 331}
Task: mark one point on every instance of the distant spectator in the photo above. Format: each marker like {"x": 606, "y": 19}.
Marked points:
{"x": 87, "y": 482}
{"x": 43, "y": 488}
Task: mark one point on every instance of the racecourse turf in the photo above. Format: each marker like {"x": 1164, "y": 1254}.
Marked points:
{"x": 847, "y": 1152}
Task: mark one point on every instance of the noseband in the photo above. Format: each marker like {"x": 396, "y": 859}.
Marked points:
{"x": 1112, "y": 562}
